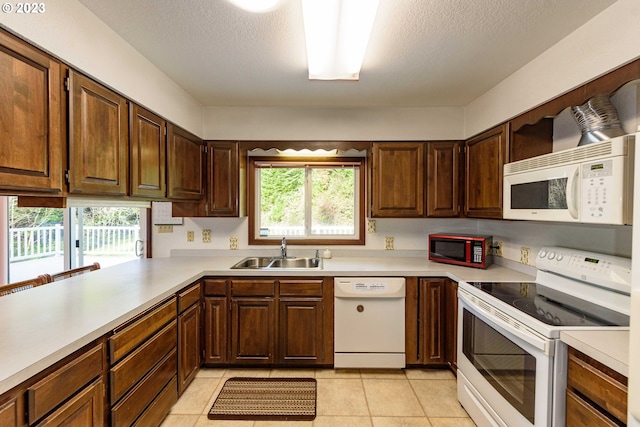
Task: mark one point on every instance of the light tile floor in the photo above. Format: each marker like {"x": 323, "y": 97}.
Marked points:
{"x": 367, "y": 398}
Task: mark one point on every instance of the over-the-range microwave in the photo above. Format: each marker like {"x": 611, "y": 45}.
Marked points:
{"x": 588, "y": 184}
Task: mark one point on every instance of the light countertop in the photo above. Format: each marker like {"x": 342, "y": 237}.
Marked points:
{"x": 610, "y": 348}
{"x": 43, "y": 325}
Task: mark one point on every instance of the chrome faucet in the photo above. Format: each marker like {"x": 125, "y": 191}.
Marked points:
{"x": 283, "y": 248}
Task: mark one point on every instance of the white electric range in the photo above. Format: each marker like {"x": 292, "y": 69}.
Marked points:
{"x": 511, "y": 364}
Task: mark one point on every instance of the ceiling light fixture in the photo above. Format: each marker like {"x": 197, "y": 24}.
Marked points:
{"x": 256, "y": 6}
{"x": 337, "y": 33}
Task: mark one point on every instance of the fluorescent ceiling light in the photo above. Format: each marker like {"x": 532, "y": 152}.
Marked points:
{"x": 257, "y": 6}
{"x": 337, "y": 33}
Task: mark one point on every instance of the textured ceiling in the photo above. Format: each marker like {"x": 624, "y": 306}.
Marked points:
{"x": 422, "y": 52}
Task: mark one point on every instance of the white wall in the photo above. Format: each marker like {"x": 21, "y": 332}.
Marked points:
{"x": 609, "y": 40}
{"x": 71, "y": 32}
{"x": 347, "y": 124}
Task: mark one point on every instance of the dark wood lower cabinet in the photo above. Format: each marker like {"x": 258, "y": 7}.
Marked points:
{"x": 84, "y": 409}
{"x": 189, "y": 334}
{"x": 300, "y": 331}
{"x": 431, "y": 325}
{"x": 215, "y": 330}
{"x": 253, "y": 330}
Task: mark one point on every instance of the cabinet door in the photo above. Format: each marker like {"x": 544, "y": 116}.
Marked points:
{"x": 432, "y": 300}
{"x": 485, "y": 157}
{"x": 300, "y": 331}
{"x": 188, "y": 346}
{"x": 31, "y": 118}
{"x": 443, "y": 179}
{"x": 215, "y": 330}
{"x": 253, "y": 330}
{"x": 398, "y": 179}
{"x": 98, "y": 138}
{"x": 185, "y": 165}
{"x": 83, "y": 410}
{"x": 451, "y": 323}
{"x": 147, "y": 154}
{"x": 10, "y": 413}
{"x": 222, "y": 179}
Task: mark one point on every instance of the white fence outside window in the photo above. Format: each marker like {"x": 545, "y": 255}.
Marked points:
{"x": 41, "y": 242}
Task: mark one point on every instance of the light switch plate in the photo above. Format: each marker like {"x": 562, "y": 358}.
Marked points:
{"x": 190, "y": 236}
{"x": 165, "y": 229}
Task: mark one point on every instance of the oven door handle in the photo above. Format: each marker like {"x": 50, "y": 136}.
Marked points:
{"x": 536, "y": 340}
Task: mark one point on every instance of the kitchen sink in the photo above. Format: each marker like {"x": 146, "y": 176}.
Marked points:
{"x": 268, "y": 263}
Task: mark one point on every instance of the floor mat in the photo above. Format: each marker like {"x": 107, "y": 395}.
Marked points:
{"x": 266, "y": 399}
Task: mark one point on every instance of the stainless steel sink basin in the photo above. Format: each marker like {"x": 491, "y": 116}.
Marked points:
{"x": 264, "y": 263}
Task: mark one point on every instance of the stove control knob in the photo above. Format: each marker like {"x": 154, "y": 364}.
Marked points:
{"x": 552, "y": 255}
{"x": 542, "y": 253}
{"x": 559, "y": 257}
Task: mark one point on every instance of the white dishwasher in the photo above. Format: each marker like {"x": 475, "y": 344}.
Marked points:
{"x": 369, "y": 322}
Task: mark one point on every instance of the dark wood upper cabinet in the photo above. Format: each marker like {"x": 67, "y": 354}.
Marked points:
{"x": 485, "y": 156}
{"x": 148, "y": 147}
{"x": 398, "y": 180}
{"x": 31, "y": 119}
{"x": 443, "y": 179}
{"x": 185, "y": 165}
{"x": 98, "y": 138}
{"x": 223, "y": 179}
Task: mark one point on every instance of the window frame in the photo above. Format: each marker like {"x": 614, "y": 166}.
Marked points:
{"x": 360, "y": 163}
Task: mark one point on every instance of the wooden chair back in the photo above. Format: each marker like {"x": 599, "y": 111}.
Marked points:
{"x": 75, "y": 272}
{"x": 12, "y": 288}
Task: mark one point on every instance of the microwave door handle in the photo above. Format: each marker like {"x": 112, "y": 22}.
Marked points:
{"x": 572, "y": 194}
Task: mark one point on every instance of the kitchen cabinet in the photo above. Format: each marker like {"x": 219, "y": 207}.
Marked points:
{"x": 268, "y": 321}
{"x": 31, "y": 113}
{"x": 300, "y": 325}
{"x": 84, "y": 409}
{"x": 443, "y": 179}
{"x": 596, "y": 394}
{"x": 223, "y": 179}
{"x": 398, "y": 180}
{"x": 215, "y": 321}
{"x": 189, "y": 333}
{"x": 253, "y": 317}
{"x": 98, "y": 138}
{"x": 451, "y": 323}
{"x": 142, "y": 376}
{"x": 485, "y": 156}
{"x": 11, "y": 414}
{"x": 148, "y": 147}
{"x": 430, "y": 322}
{"x": 185, "y": 165}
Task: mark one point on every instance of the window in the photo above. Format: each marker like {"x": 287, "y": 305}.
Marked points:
{"x": 50, "y": 240}
{"x": 319, "y": 201}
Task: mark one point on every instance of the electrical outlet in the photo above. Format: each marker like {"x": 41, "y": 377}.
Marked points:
{"x": 388, "y": 243}
{"x": 371, "y": 226}
{"x": 190, "y": 236}
{"x": 206, "y": 236}
{"x": 524, "y": 255}
{"x": 165, "y": 229}
{"x": 233, "y": 243}
{"x": 497, "y": 251}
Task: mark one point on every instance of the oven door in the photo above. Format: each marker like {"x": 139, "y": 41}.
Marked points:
{"x": 504, "y": 372}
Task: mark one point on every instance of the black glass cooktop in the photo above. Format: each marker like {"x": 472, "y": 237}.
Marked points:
{"x": 550, "y": 306}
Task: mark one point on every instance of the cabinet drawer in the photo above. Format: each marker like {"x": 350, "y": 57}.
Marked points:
{"x": 188, "y": 297}
{"x": 263, "y": 288}
{"x": 135, "y": 402}
{"x": 598, "y": 385}
{"x": 9, "y": 413}
{"x": 136, "y": 365}
{"x": 581, "y": 414}
{"x": 215, "y": 287}
{"x": 131, "y": 335}
{"x": 58, "y": 386}
{"x": 160, "y": 407}
{"x": 304, "y": 288}
{"x": 85, "y": 409}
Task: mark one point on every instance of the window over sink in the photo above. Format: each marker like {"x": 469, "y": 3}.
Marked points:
{"x": 317, "y": 200}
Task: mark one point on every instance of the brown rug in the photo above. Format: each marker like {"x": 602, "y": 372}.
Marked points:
{"x": 285, "y": 399}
